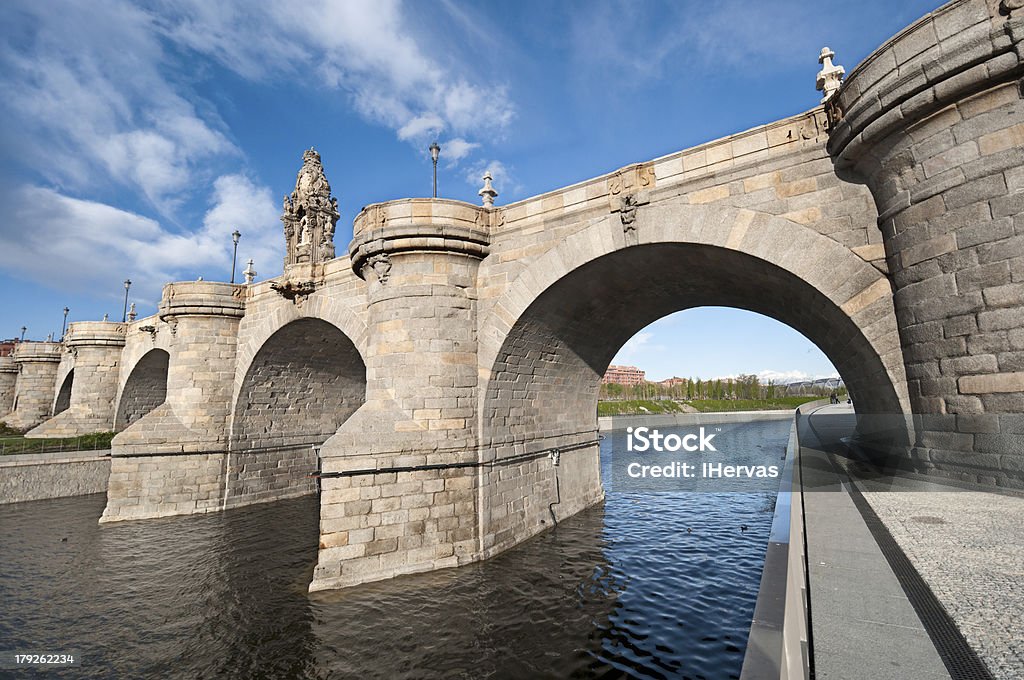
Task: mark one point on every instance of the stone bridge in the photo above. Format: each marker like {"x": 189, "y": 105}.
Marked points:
{"x": 448, "y": 365}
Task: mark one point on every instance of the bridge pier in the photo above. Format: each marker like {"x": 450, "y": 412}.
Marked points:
{"x": 417, "y": 428}
{"x": 96, "y": 346}
{"x": 933, "y": 123}
{"x": 8, "y": 382}
{"x": 37, "y": 372}
{"x": 172, "y": 460}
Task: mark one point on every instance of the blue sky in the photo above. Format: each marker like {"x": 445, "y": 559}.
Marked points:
{"x": 136, "y": 136}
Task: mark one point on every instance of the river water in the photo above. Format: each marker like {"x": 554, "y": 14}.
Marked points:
{"x": 648, "y": 584}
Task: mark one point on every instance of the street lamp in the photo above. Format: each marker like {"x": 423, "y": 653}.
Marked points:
{"x": 235, "y": 236}
{"x": 435, "y": 151}
{"x": 127, "y": 285}
{"x": 23, "y": 329}
{"x": 64, "y": 328}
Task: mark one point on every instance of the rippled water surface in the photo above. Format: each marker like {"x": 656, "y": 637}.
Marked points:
{"x": 622, "y": 589}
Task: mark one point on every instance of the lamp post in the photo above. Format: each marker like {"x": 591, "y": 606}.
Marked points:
{"x": 64, "y": 328}
{"x": 235, "y": 236}
{"x": 23, "y": 329}
{"x": 435, "y": 151}
{"x": 127, "y": 285}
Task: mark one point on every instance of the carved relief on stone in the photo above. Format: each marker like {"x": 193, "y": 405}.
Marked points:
{"x": 627, "y": 206}
{"x": 1008, "y": 6}
{"x": 378, "y": 217}
{"x": 296, "y": 291}
{"x": 310, "y": 214}
{"x": 632, "y": 179}
{"x": 627, "y": 212}
{"x": 381, "y": 266}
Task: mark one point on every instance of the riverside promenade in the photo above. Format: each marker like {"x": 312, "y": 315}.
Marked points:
{"x": 909, "y": 578}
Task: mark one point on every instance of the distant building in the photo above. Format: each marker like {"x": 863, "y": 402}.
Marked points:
{"x": 624, "y": 375}
{"x": 673, "y": 381}
{"x": 7, "y": 346}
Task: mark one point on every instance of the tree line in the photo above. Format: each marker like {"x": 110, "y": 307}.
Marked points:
{"x": 744, "y": 386}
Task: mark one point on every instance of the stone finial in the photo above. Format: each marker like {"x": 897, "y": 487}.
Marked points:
{"x": 49, "y": 338}
{"x": 106, "y": 317}
{"x": 249, "y": 273}
{"x": 487, "y": 193}
{"x": 132, "y": 314}
{"x": 310, "y": 214}
{"x": 830, "y": 77}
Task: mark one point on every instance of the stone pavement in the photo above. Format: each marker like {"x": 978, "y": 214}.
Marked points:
{"x": 862, "y": 623}
{"x": 967, "y": 546}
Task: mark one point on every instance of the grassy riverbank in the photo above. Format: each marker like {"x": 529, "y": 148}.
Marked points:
{"x": 652, "y": 407}
{"x": 11, "y": 444}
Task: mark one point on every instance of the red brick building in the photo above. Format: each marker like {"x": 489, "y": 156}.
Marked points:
{"x": 7, "y": 346}
{"x": 624, "y": 375}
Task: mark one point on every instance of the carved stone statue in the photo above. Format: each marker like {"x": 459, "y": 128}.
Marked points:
{"x": 310, "y": 214}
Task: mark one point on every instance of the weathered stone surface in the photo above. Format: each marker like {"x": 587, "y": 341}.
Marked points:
{"x": 954, "y": 247}
{"x": 35, "y": 387}
{"x": 85, "y": 402}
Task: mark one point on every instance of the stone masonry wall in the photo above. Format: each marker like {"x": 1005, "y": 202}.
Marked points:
{"x": 8, "y": 382}
{"x": 194, "y": 418}
{"x": 934, "y": 123}
{"x": 144, "y": 487}
{"x": 88, "y": 406}
{"x": 34, "y": 392}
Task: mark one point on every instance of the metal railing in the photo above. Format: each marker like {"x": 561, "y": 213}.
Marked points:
{"x": 780, "y": 644}
{"x": 10, "y": 446}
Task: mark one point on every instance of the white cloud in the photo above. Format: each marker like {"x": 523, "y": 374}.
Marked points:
{"x": 76, "y": 244}
{"x": 364, "y": 47}
{"x": 637, "y": 345}
{"x": 782, "y": 377}
{"x": 93, "y": 102}
{"x": 427, "y": 125}
{"x": 457, "y": 149}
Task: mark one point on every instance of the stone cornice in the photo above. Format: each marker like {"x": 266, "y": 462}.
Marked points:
{"x": 95, "y": 333}
{"x": 202, "y": 298}
{"x": 961, "y": 48}
{"x": 29, "y": 351}
{"x": 420, "y": 225}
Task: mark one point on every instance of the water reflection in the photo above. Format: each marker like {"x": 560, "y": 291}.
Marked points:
{"x": 647, "y": 585}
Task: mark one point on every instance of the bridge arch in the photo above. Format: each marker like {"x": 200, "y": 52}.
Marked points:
{"x": 305, "y": 380}
{"x": 144, "y": 390}
{"x": 552, "y": 334}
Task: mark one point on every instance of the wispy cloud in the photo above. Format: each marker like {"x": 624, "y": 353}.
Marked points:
{"x": 782, "y": 377}
{"x": 73, "y": 243}
{"x": 102, "y": 111}
{"x": 85, "y": 88}
{"x": 363, "y": 47}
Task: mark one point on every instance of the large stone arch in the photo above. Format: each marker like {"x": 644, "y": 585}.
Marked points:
{"x": 62, "y": 402}
{"x": 270, "y": 317}
{"x": 551, "y": 335}
{"x": 144, "y": 389}
{"x": 306, "y": 379}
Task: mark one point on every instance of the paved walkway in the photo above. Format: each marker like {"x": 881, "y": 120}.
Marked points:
{"x": 967, "y": 546}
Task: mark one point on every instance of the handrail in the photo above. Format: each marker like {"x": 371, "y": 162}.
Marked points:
{"x": 780, "y": 644}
